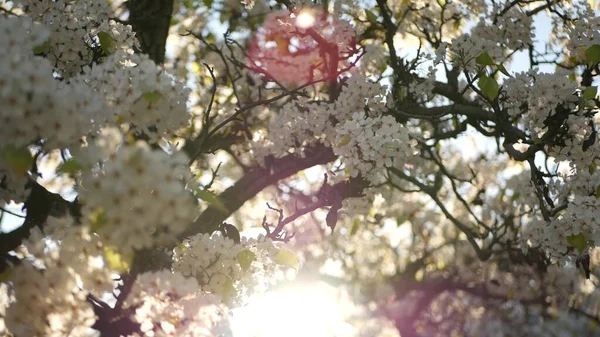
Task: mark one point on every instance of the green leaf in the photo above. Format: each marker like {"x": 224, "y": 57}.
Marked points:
{"x": 371, "y": 17}
{"x": 117, "y": 261}
{"x": 456, "y": 25}
{"x": 598, "y": 192}
{"x": 590, "y": 92}
{"x": 18, "y": 159}
{"x": 355, "y": 226}
{"x": 592, "y": 54}
{"x": 485, "y": 59}
{"x": 97, "y": 219}
{"x": 285, "y": 257}
{"x": 208, "y": 3}
{"x": 71, "y": 166}
{"x": 41, "y": 49}
{"x": 228, "y": 289}
{"x": 442, "y": 3}
{"x": 503, "y": 70}
{"x": 106, "y": 42}
{"x": 488, "y": 86}
{"x": 245, "y": 259}
{"x": 152, "y": 97}
{"x": 211, "y": 199}
{"x": 344, "y": 141}
{"x": 578, "y": 241}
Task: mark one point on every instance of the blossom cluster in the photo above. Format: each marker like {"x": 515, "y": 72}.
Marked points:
{"x": 34, "y": 105}
{"x": 50, "y": 288}
{"x": 47, "y": 303}
{"x": 580, "y": 132}
{"x": 309, "y": 122}
{"x": 579, "y": 219}
{"x": 80, "y": 30}
{"x": 369, "y": 144}
{"x": 533, "y": 97}
{"x": 511, "y": 31}
{"x": 168, "y": 304}
{"x": 38, "y": 108}
{"x": 139, "y": 199}
{"x": 228, "y": 269}
{"x": 353, "y": 125}
{"x": 138, "y": 92}
{"x": 583, "y": 33}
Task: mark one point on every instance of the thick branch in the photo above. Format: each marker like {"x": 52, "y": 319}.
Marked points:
{"x": 252, "y": 183}
{"x": 151, "y": 20}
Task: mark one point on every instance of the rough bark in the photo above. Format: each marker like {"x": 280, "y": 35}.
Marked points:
{"x": 151, "y": 20}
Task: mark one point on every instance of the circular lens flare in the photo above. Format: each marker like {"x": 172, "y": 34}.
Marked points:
{"x": 293, "y": 48}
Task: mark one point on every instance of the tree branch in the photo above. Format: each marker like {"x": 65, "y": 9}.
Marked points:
{"x": 39, "y": 205}
{"x": 253, "y": 182}
{"x": 151, "y": 20}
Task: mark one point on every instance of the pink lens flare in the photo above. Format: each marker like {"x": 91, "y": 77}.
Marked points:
{"x": 306, "y": 46}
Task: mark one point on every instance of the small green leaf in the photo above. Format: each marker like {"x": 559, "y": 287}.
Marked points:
{"x": 208, "y": 3}
{"x": 456, "y": 25}
{"x": 97, "y": 219}
{"x": 442, "y": 3}
{"x": 152, "y": 97}
{"x": 578, "y": 241}
{"x": 117, "y": 261}
{"x": 344, "y": 141}
{"x": 592, "y": 54}
{"x": 211, "y": 199}
{"x": 106, "y": 42}
{"x": 245, "y": 259}
{"x": 19, "y": 160}
{"x": 286, "y": 258}
{"x": 355, "y": 226}
{"x": 485, "y": 59}
{"x": 488, "y": 86}
{"x": 371, "y": 17}
{"x": 228, "y": 289}
{"x": 41, "y": 49}
{"x": 598, "y": 192}
{"x": 71, "y": 166}
{"x": 590, "y": 92}
{"x": 503, "y": 70}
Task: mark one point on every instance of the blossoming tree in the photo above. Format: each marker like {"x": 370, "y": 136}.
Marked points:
{"x": 162, "y": 162}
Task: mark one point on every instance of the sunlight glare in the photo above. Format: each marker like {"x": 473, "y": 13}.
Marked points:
{"x": 305, "y": 20}
{"x": 304, "y": 310}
